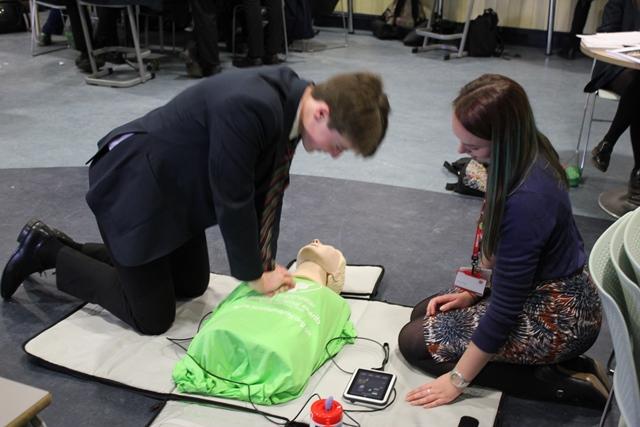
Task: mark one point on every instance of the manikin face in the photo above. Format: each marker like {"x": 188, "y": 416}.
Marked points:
{"x": 326, "y": 256}
{"x": 316, "y": 135}
{"x": 477, "y": 148}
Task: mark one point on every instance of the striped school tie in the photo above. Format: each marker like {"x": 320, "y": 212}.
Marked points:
{"x": 279, "y": 182}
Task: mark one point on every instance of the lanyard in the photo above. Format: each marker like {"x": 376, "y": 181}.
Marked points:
{"x": 475, "y": 255}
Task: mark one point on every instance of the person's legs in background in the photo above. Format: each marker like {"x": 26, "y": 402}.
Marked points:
{"x": 571, "y": 47}
{"x": 202, "y": 57}
{"x": 627, "y": 86}
{"x": 255, "y": 35}
{"x": 53, "y": 25}
{"x": 274, "y": 32}
{"x": 263, "y": 42}
{"x": 107, "y": 29}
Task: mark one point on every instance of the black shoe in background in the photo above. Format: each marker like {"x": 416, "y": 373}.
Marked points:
{"x": 83, "y": 63}
{"x": 246, "y": 61}
{"x": 601, "y": 155}
{"x": 44, "y": 39}
{"x": 271, "y": 59}
{"x": 569, "y": 53}
{"x": 197, "y": 71}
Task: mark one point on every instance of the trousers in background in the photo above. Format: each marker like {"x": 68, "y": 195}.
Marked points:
{"x": 205, "y": 29}
{"x": 269, "y": 41}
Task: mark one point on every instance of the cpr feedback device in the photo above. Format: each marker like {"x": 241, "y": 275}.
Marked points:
{"x": 369, "y": 387}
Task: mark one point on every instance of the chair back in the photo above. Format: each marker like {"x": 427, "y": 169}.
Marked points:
{"x": 632, "y": 241}
{"x": 626, "y": 382}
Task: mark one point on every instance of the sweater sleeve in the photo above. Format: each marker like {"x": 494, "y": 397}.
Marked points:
{"x": 526, "y": 226}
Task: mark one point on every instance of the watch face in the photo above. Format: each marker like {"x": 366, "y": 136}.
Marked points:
{"x": 457, "y": 380}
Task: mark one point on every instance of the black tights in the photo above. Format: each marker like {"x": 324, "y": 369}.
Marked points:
{"x": 627, "y": 86}
{"x": 539, "y": 382}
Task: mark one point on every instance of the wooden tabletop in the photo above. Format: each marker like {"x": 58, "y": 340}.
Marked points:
{"x": 20, "y": 402}
{"x": 601, "y": 54}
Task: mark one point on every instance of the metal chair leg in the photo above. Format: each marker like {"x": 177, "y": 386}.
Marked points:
{"x": 284, "y": 30}
{"x": 136, "y": 43}
{"x": 581, "y": 158}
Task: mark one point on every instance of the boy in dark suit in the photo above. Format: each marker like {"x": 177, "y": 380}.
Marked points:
{"x": 217, "y": 154}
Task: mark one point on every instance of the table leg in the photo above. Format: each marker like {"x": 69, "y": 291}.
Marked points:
{"x": 551, "y": 16}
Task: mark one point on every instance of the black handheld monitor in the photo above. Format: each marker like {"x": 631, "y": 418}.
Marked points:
{"x": 370, "y": 387}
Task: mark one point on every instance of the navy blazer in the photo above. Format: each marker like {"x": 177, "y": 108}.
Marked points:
{"x": 204, "y": 158}
{"x": 618, "y": 15}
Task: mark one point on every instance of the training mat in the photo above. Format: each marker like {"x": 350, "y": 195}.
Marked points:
{"x": 94, "y": 343}
{"x": 376, "y": 320}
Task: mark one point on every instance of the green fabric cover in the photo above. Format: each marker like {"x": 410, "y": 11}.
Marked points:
{"x": 273, "y": 344}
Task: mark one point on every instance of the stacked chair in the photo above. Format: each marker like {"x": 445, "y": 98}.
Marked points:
{"x": 614, "y": 265}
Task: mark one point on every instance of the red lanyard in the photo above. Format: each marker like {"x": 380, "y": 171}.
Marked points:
{"x": 475, "y": 255}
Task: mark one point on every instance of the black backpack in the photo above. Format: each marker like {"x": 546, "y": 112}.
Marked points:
{"x": 483, "y": 38}
{"x": 11, "y": 18}
{"x": 471, "y": 177}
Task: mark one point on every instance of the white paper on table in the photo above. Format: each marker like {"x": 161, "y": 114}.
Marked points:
{"x": 611, "y": 40}
{"x": 627, "y": 53}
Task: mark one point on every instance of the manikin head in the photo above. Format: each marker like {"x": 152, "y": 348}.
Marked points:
{"x": 346, "y": 112}
{"x": 323, "y": 264}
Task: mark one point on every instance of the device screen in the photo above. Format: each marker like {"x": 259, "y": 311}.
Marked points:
{"x": 370, "y": 384}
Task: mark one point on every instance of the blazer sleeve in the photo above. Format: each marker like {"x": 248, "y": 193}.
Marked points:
{"x": 238, "y": 132}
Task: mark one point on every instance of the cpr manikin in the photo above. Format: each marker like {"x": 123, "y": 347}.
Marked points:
{"x": 264, "y": 349}
{"x": 322, "y": 264}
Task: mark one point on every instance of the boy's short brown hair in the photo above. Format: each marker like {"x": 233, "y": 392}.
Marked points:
{"x": 358, "y": 108}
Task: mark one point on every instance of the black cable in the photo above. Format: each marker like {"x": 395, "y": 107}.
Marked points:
{"x": 384, "y": 346}
{"x": 357, "y": 424}
{"x": 255, "y": 408}
{"x": 347, "y": 411}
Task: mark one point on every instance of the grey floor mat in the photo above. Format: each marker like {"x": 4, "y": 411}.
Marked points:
{"x": 420, "y": 237}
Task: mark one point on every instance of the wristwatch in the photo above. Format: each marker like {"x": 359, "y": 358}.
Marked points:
{"x": 457, "y": 379}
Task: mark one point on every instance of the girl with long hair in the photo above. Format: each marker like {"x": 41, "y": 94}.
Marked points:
{"x": 542, "y": 308}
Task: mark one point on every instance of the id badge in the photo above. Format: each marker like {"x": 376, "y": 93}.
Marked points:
{"x": 470, "y": 282}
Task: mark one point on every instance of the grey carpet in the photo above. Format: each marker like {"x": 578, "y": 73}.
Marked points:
{"x": 420, "y": 237}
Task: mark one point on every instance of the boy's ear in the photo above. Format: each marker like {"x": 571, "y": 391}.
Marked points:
{"x": 322, "y": 111}
{"x": 330, "y": 264}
